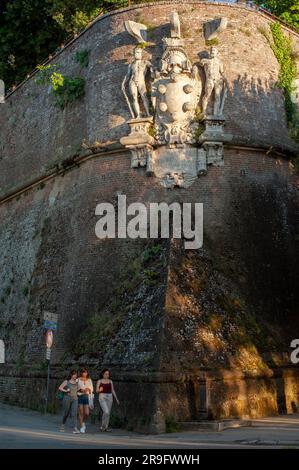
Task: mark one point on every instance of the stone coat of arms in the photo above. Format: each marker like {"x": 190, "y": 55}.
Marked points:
{"x": 167, "y": 115}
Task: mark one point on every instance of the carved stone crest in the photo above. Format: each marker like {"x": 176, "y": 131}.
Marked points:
{"x": 176, "y": 91}
{"x": 168, "y": 142}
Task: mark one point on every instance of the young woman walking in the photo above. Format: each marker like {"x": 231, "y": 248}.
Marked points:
{"x": 106, "y": 392}
{"x": 70, "y": 400}
{"x": 85, "y": 390}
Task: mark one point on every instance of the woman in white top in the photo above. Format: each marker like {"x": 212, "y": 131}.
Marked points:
{"x": 85, "y": 390}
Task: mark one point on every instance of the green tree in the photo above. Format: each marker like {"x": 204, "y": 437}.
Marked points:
{"x": 287, "y": 10}
{"x": 292, "y": 16}
{"x": 32, "y": 29}
{"x": 72, "y": 15}
{"x": 27, "y": 35}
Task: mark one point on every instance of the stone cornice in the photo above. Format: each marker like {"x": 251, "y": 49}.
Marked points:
{"x": 121, "y": 151}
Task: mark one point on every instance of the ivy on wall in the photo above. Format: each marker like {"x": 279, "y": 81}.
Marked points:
{"x": 71, "y": 90}
{"x": 82, "y": 57}
{"x": 283, "y": 50}
{"x": 65, "y": 89}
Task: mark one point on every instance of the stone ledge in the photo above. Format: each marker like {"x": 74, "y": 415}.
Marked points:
{"x": 113, "y": 151}
{"x": 215, "y": 426}
{"x": 157, "y": 377}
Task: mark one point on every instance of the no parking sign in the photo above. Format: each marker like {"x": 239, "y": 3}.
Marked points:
{"x": 50, "y": 325}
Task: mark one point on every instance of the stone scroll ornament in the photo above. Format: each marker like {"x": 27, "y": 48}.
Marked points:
{"x": 169, "y": 105}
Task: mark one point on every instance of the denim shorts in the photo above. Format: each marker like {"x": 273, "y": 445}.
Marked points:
{"x": 83, "y": 400}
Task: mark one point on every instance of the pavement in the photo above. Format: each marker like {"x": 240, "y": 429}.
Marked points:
{"x": 25, "y": 429}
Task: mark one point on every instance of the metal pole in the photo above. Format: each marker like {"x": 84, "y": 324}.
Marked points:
{"x": 48, "y": 382}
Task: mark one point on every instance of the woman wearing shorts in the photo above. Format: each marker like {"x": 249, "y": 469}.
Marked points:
{"x": 85, "y": 389}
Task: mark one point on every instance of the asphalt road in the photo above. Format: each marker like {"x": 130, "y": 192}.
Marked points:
{"x": 25, "y": 429}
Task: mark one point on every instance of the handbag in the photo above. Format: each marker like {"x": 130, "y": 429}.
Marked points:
{"x": 91, "y": 401}
{"x": 60, "y": 395}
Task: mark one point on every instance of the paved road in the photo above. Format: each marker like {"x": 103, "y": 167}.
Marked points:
{"x": 25, "y": 429}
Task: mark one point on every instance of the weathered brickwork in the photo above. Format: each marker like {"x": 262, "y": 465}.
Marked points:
{"x": 250, "y": 67}
{"x": 179, "y": 343}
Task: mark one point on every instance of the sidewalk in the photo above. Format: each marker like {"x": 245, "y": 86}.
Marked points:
{"x": 21, "y": 428}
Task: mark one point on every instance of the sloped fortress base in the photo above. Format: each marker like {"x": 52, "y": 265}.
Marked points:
{"x": 189, "y": 335}
{"x": 182, "y": 343}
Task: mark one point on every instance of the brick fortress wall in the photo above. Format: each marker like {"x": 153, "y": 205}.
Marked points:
{"x": 51, "y": 259}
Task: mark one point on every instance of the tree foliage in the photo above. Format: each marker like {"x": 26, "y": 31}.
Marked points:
{"x": 283, "y": 49}
{"x": 32, "y": 29}
{"x": 27, "y": 34}
{"x": 287, "y": 10}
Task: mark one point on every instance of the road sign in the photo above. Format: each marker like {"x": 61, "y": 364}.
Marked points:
{"x": 51, "y": 316}
{"x": 2, "y": 352}
{"x": 50, "y": 324}
{"x": 49, "y": 339}
{"x": 50, "y": 321}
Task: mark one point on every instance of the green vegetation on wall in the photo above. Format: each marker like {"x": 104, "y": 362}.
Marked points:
{"x": 172, "y": 425}
{"x": 283, "y": 50}
{"x": 71, "y": 90}
{"x": 282, "y": 47}
{"x": 33, "y": 29}
{"x": 146, "y": 269}
{"x": 212, "y": 42}
{"x": 82, "y": 57}
{"x": 65, "y": 89}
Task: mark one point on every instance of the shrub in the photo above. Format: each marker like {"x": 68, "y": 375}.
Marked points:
{"x": 82, "y": 57}
{"x": 172, "y": 425}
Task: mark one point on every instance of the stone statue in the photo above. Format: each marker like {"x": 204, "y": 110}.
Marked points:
{"x": 214, "y": 27}
{"x": 136, "y": 78}
{"x": 137, "y": 30}
{"x": 176, "y": 143}
{"x": 213, "y": 68}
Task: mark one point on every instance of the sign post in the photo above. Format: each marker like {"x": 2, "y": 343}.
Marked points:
{"x": 50, "y": 325}
{"x": 2, "y": 352}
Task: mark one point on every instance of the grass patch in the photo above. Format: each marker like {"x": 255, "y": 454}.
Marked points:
{"x": 82, "y": 58}
{"x": 172, "y": 425}
{"x": 212, "y": 42}
{"x": 100, "y": 326}
{"x": 71, "y": 90}
{"x": 65, "y": 89}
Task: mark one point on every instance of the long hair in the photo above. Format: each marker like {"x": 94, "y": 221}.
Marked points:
{"x": 103, "y": 372}
{"x": 72, "y": 372}
{"x": 82, "y": 372}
